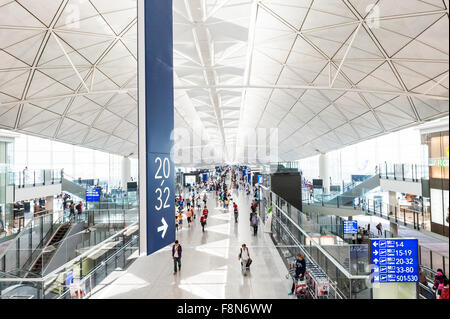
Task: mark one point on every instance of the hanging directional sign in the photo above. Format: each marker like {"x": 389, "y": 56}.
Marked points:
{"x": 350, "y": 226}
{"x": 395, "y": 260}
{"x": 92, "y": 194}
{"x": 260, "y": 179}
{"x": 156, "y": 124}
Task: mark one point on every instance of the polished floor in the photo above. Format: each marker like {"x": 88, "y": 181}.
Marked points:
{"x": 210, "y": 266}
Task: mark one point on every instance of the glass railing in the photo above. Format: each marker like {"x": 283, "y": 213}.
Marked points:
{"x": 318, "y": 238}
{"x": 29, "y": 244}
{"x": 430, "y": 261}
{"x": 18, "y": 251}
{"x": 320, "y": 229}
{"x": 33, "y": 178}
{"x": 90, "y": 263}
{"x": 331, "y": 197}
{"x": 81, "y": 182}
{"x": 120, "y": 258}
{"x": 415, "y": 216}
{"x": 403, "y": 172}
{"x": 114, "y": 203}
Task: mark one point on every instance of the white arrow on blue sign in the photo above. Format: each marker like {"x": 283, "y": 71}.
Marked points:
{"x": 163, "y": 228}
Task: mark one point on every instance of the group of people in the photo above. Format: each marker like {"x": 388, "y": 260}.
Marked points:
{"x": 223, "y": 194}
{"x": 190, "y": 211}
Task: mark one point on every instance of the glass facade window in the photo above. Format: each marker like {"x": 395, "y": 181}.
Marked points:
{"x": 438, "y": 157}
{"x": 37, "y": 153}
{"x": 362, "y": 158}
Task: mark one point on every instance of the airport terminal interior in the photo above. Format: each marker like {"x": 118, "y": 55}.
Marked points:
{"x": 224, "y": 149}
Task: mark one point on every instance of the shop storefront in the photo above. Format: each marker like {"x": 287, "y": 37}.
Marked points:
{"x": 438, "y": 159}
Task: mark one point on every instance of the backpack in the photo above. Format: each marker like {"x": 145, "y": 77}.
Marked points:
{"x": 240, "y": 253}
{"x": 444, "y": 293}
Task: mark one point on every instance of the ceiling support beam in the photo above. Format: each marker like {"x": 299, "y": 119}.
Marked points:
{"x": 70, "y": 61}
{"x": 37, "y": 59}
{"x": 312, "y": 87}
{"x": 248, "y": 64}
{"x": 355, "y": 34}
{"x": 437, "y": 83}
{"x": 70, "y": 95}
{"x": 201, "y": 37}
{"x": 386, "y": 56}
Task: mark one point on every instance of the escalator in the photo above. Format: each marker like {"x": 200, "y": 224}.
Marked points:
{"x": 47, "y": 254}
{"x": 75, "y": 189}
{"x": 350, "y": 192}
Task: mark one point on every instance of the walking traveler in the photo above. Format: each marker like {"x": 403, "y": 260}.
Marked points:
{"x": 189, "y": 217}
{"x": 379, "y": 227}
{"x": 205, "y": 211}
{"x": 79, "y": 208}
{"x": 176, "y": 256}
{"x": 180, "y": 220}
{"x": 188, "y": 203}
{"x": 236, "y": 212}
{"x": 203, "y": 222}
{"x": 244, "y": 257}
{"x": 300, "y": 268}
{"x": 253, "y": 210}
{"x": 255, "y": 223}
{"x": 72, "y": 210}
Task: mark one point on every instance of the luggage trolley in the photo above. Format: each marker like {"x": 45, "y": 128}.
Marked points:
{"x": 317, "y": 281}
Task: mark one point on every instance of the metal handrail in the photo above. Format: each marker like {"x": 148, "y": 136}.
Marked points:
{"x": 319, "y": 247}
{"x": 18, "y": 235}
{"x": 306, "y": 253}
{"x": 100, "y": 266}
{"x": 73, "y": 261}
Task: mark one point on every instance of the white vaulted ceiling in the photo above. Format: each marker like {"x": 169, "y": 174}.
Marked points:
{"x": 325, "y": 73}
{"x": 68, "y": 71}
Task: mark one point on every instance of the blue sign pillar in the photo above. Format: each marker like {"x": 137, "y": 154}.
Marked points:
{"x": 156, "y": 124}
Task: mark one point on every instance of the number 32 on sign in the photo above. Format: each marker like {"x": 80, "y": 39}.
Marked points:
{"x": 160, "y": 212}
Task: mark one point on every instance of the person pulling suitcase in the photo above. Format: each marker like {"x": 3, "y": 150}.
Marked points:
{"x": 244, "y": 257}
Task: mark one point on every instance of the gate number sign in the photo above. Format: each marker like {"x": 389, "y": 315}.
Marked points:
{"x": 395, "y": 260}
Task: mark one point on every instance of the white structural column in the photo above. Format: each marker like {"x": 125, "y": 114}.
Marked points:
{"x": 126, "y": 171}
{"x": 324, "y": 173}
{"x": 393, "y": 227}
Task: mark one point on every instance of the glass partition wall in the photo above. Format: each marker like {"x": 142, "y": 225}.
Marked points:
{"x": 347, "y": 266}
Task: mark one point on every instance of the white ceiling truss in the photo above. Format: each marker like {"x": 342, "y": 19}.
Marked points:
{"x": 325, "y": 73}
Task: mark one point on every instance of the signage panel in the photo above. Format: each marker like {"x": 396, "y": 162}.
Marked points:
{"x": 395, "y": 260}
{"x": 317, "y": 183}
{"x": 92, "y": 195}
{"x": 160, "y": 196}
{"x": 260, "y": 179}
{"x": 350, "y": 226}
{"x": 156, "y": 124}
